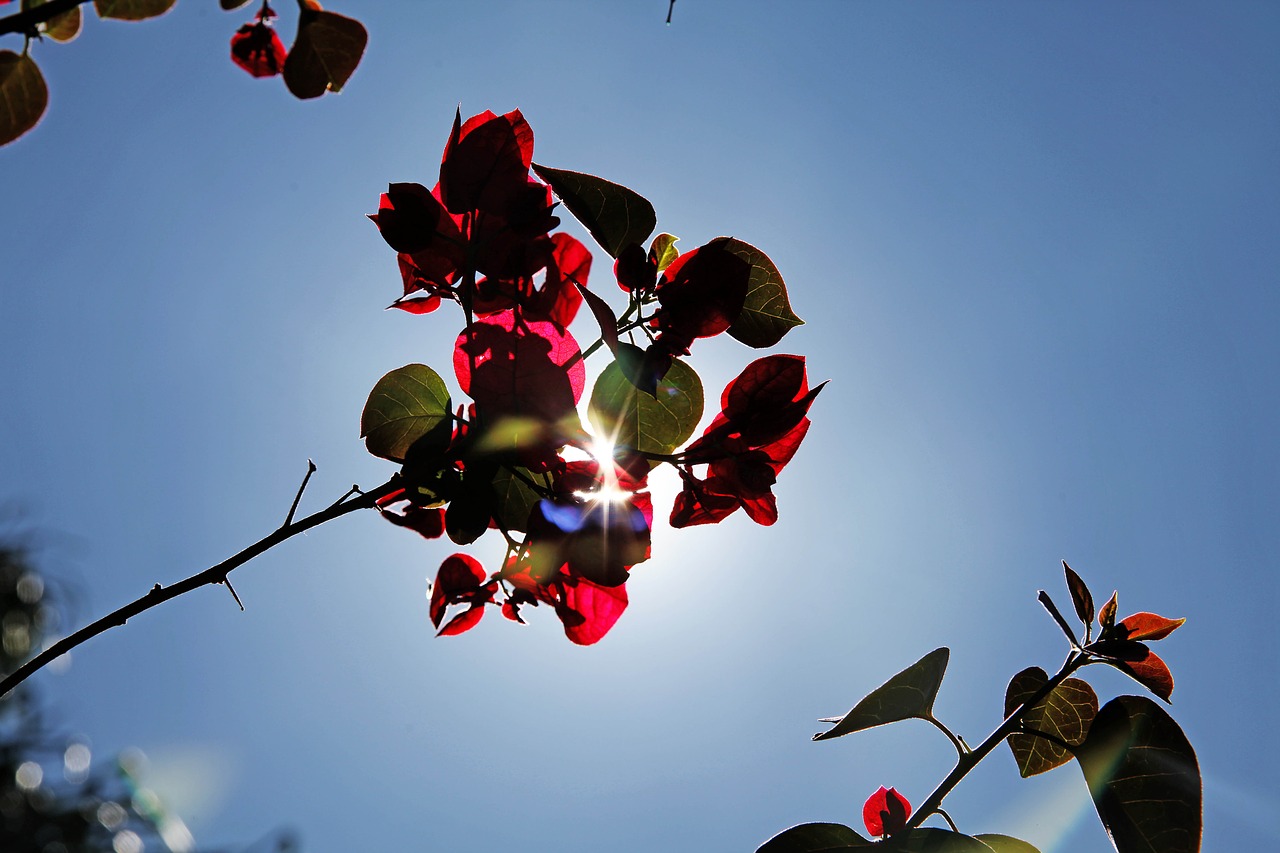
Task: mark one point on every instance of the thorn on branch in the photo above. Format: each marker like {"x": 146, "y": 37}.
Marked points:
{"x": 311, "y": 469}
{"x": 232, "y": 590}
{"x": 670, "y": 8}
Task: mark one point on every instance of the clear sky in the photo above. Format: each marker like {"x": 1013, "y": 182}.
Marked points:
{"x": 1036, "y": 247}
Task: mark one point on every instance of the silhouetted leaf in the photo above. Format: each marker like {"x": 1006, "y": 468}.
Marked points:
{"x": 514, "y": 497}
{"x": 1005, "y": 843}
{"x": 766, "y": 314}
{"x": 1144, "y": 778}
{"x": 132, "y": 10}
{"x": 1065, "y": 714}
{"x": 632, "y": 418}
{"x": 614, "y": 215}
{"x": 1080, "y": 595}
{"x": 233, "y": 4}
{"x": 933, "y": 840}
{"x": 1139, "y": 662}
{"x": 403, "y": 406}
{"x": 815, "y": 838}
{"x": 325, "y": 53}
{"x": 23, "y": 95}
{"x": 908, "y": 694}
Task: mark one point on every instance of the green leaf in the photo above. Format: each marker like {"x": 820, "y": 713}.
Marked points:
{"x": 1005, "y": 843}
{"x": 514, "y": 498}
{"x": 908, "y": 694}
{"x": 404, "y": 406}
{"x": 934, "y": 840}
{"x": 766, "y": 315}
{"x": 1065, "y": 714}
{"x": 1144, "y": 778}
{"x": 664, "y": 251}
{"x": 657, "y": 424}
{"x": 23, "y": 95}
{"x": 614, "y": 215}
{"x": 132, "y": 10}
{"x": 813, "y": 838}
{"x": 325, "y": 53}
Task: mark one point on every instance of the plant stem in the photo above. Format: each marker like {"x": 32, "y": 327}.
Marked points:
{"x": 213, "y": 575}
{"x": 1011, "y": 724}
{"x": 26, "y": 21}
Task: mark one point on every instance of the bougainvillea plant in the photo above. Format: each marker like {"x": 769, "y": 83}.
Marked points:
{"x": 1138, "y": 765}
{"x": 324, "y": 54}
{"x": 572, "y": 505}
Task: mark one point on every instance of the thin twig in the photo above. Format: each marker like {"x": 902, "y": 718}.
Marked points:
{"x": 1048, "y": 604}
{"x": 231, "y": 589}
{"x": 961, "y": 747}
{"x": 213, "y": 575}
{"x": 1011, "y": 725}
{"x": 670, "y": 8}
{"x": 951, "y": 823}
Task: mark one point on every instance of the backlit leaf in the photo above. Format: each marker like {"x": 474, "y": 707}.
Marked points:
{"x": 1149, "y": 626}
{"x": 908, "y": 694}
{"x": 1139, "y": 662}
{"x": 663, "y": 250}
{"x": 933, "y": 840}
{"x": 815, "y": 838}
{"x": 1144, "y": 778}
{"x": 23, "y": 95}
{"x": 325, "y": 53}
{"x": 63, "y": 27}
{"x": 1065, "y": 714}
{"x": 766, "y": 314}
{"x": 632, "y": 418}
{"x": 132, "y": 10}
{"x": 1080, "y": 595}
{"x": 614, "y": 215}
{"x": 403, "y": 406}
{"x": 1005, "y": 844}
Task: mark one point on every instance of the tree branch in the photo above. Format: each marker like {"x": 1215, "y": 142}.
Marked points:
{"x": 213, "y": 575}
{"x": 25, "y": 22}
{"x": 1011, "y": 725}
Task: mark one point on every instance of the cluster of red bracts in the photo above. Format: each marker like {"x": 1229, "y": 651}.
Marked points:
{"x": 762, "y": 422}
{"x": 579, "y": 547}
{"x": 481, "y": 237}
{"x": 256, "y": 47}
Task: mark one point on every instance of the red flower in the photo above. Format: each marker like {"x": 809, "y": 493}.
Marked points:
{"x": 460, "y": 581}
{"x": 886, "y": 812}
{"x": 256, "y": 46}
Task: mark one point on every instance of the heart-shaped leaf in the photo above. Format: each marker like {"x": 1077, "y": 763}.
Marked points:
{"x": 766, "y": 314}
{"x": 1144, "y": 778}
{"x": 325, "y": 53}
{"x": 651, "y": 424}
{"x": 23, "y": 95}
{"x": 815, "y": 838}
{"x": 132, "y": 10}
{"x": 404, "y": 405}
{"x": 1064, "y": 715}
{"x": 614, "y": 215}
{"x": 908, "y": 694}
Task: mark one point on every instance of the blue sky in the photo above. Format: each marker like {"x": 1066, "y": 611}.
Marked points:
{"x": 1035, "y": 244}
